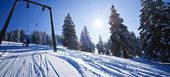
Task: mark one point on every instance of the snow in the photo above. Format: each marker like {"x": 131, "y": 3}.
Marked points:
{"x": 41, "y": 61}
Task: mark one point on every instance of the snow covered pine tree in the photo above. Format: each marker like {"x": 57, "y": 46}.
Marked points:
{"x": 108, "y": 47}
{"x": 100, "y": 45}
{"x": 155, "y": 30}
{"x": 85, "y": 41}
{"x": 22, "y": 35}
{"x": 120, "y": 37}
{"x": 36, "y": 37}
{"x": 69, "y": 34}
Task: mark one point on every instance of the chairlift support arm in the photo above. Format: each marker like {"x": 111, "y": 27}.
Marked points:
{"x": 36, "y": 3}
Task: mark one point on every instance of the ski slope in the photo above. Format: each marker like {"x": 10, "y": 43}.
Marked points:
{"x": 41, "y": 61}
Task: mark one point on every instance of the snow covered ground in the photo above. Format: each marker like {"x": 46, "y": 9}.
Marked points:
{"x": 41, "y": 61}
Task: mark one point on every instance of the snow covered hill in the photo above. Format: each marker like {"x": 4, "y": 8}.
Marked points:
{"x": 41, "y": 61}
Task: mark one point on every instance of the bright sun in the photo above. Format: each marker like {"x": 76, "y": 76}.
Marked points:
{"x": 98, "y": 23}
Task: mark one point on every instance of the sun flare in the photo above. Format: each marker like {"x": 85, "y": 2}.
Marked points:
{"x": 98, "y": 23}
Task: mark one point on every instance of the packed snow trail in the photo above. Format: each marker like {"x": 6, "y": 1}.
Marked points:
{"x": 41, "y": 61}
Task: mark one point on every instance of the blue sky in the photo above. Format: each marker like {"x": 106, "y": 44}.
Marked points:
{"x": 83, "y": 12}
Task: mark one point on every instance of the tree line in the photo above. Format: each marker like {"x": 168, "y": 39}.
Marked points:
{"x": 36, "y": 37}
{"x": 122, "y": 43}
{"x": 70, "y": 39}
{"x": 152, "y": 44}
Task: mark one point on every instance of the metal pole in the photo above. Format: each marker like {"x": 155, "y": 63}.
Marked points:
{"x": 7, "y": 22}
{"x": 52, "y": 30}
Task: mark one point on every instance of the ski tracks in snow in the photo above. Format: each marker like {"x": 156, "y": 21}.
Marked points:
{"x": 35, "y": 65}
{"x": 71, "y": 63}
{"x": 103, "y": 66}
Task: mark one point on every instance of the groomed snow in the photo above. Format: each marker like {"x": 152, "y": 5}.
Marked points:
{"x": 41, "y": 61}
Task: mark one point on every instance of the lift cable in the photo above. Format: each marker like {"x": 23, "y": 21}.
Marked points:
{"x": 27, "y": 15}
{"x": 40, "y": 15}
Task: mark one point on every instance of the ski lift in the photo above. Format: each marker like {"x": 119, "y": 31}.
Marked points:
{"x": 27, "y": 6}
{"x": 43, "y": 8}
{"x": 37, "y": 22}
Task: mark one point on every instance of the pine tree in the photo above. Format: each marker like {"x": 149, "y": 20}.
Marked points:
{"x": 5, "y": 36}
{"x": 120, "y": 36}
{"x": 135, "y": 42}
{"x": 94, "y": 47}
{"x": 48, "y": 40}
{"x": 100, "y": 46}
{"x": 85, "y": 41}
{"x": 43, "y": 35}
{"x": 115, "y": 21}
{"x": 106, "y": 51}
{"x": 154, "y": 29}
{"x": 16, "y": 35}
{"x": 11, "y": 36}
{"x": 69, "y": 34}
{"x": 39, "y": 38}
{"x": 22, "y": 35}
{"x": 36, "y": 37}
{"x": 59, "y": 39}
{"x": 120, "y": 41}
{"x": 108, "y": 47}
